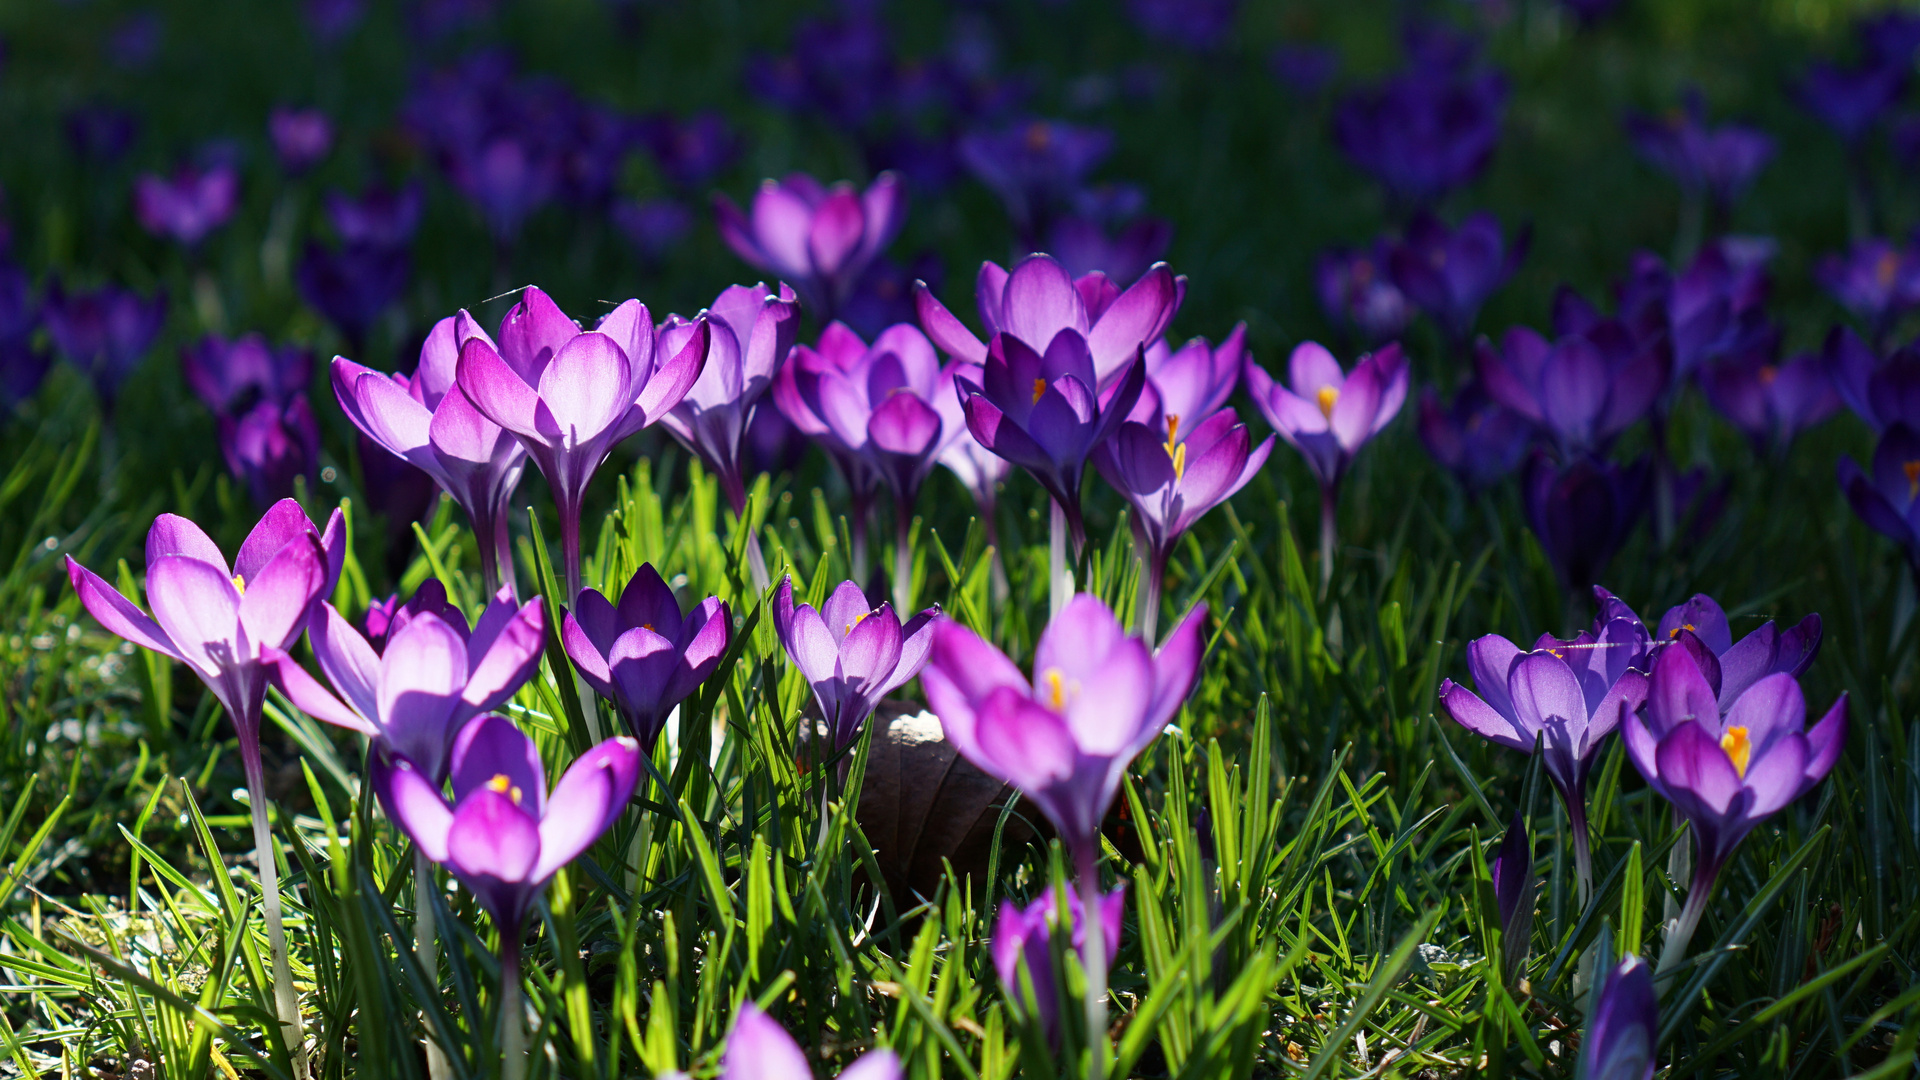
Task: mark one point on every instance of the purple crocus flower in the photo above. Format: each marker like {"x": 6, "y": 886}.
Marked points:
{"x": 653, "y": 226}
{"x": 379, "y": 217}
{"x": 428, "y": 421}
{"x": 22, "y": 366}
{"x": 851, "y": 653}
{"x": 760, "y": 1049}
{"x": 1038, "y": 301}
{"x": 1582, "y": 390}
{"x": 1581, "y": 513}
{"x": 1328, "y": 414}
{"x": 1450, "y": 273}
{"x": 188, "y": 206}
{"x": 1719, "y": 161}
{"x": 690, "y": 152}
{"x": 1097, "y": 698}
{"x": 1425, "y": 131}
{"x": 1875, "y": 280}
{"x": 505, "y": 836}
{"x": 644, "y": 655}
{"x": 1850, "y": 100}
{"x": 101, "y": 132}
{"x": 1200, "y": 26}
{"x": 1034, "y": 166}
{"x": 980, "y": 470}
{"x": 1880, "y": 392}
{"x": 570, "y": 396}
{"x": 353, "y": 286}
{"x": 301, "y": 137}
{"x": 384, "y": 618}
{"x": 1476, "y": 438}
{"x": 750, "y": 332}
{"x": 1769, "y": 401}
{"x": 1358, "y": 293}
{"x": 820, "y": 239}
{"x": 104, "y": 332}
{"x": 1513, "y": 889}
{"x": 1888, "y": 498}
{"x": 1024, "y": 935}
{"x": 1730, "y": 666}
{"x": 822, "y": 391}
{"x": 1726, "y": 774}
{"x": 231, "y": 376}
{"x": 429, "y": 677}
{"x": 1623, "y": 1031}
{"x": 1084, "y": 246}
{"x": 1566, "y": 695}
{"x": 270, "y": 445}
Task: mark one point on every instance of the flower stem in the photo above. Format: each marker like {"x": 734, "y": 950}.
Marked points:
{"x": 902, "y": 562}
{"x": 513, "y": 1036}
{"x": 1094, "y": 957}
{"x": 1147, "y": 604}
{"x": 426, "y": 952}
{"x": 1059, "y": 575}
{"x": 286, "y": 1002}
{"x": 1329, "y": 523}
{"x": 570, "y": 549}
{"x": 1582, "y": 849}
{"x": 496, "y": 555}
{"x": 1680, "y": 933}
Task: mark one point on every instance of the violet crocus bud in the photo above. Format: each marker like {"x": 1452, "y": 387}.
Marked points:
{"x": 270, "y": 445}
{"x": 1888, "y": 498}
{"x": 751, "y": 331}
{"x": 1022, "y": 940}
{"x": 1726, "y": 774}
{"x": 1450, "y": 273}
{"x": 644, "y": 655}
{"x": 1769, "y": 401}
{"x": 301, "y": 137}
{"x": 1719, "y": 161}
{"x": 1622, "y": 1032}
{"x": 819, "y": 238}
{"x": 104, "y": 332}
{"x": 230, "y": 377}
{"x": 1582, "y": 390}
{"x": 189, "y": 205}
{"x": 1097, "y": 698}
{"x": 851, "y": 653}
{"x": 1476, "y": 438}
{"x": 760, "y": 1049}
{"x": 1582, "y": 513}
{"x": 1849, "y": 101}
{"x": 1513, "y": 888}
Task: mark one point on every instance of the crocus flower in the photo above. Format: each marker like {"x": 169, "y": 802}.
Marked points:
{"x": 427, "y": 420}
{"x": 570, "y": 396}
{"x": 1328, "y": 414}
{"x": 1850, "y": 100}
{"x": 1769, "y": 401}
{"x": 353, "y": 286}
{"x": 431, "y": 675}
{"x": 1425, "y": 131}
{"x": 693, "y": 151}
{"x": 1717, "y": 306}
{"x": 1038, "y": 301}
{"x": 1581, "y": 513}
{"x": 760, "y": 1049}
{"x": 1097, "y": 698}
{"x": 22, "y": 365}
{"x": 1622, "y": 1032}
{"x": 379, "y": 217}
{"x": 1358, "y": 293}
{"x": 1450, "y": 273}
{"x": 1085, "y": 246}
{"x": 1730, "y": 666}
{"x": 1888, "y": 498}
{"x": 1881, "y": 392}
{"x": 301, "y": 137}
{"x": 1719, "y": 161}
{"x": 1034, "y": 166}
{"x": 1192, "y": 381}
{"x": 270, "y": 445}
{"x": 504, "y": 836}
{"x": 101, "y": 132}
{"x": 751, "y": 330}
{"x": 385, "y": 617}
{"x": 1726, "y": 774}
{"x": 1513, "y": 888}
{"x": 1023, "y": 934}
{"x": 1567, "y": 695}
{"x": 1582, "y": 390}
{"x": 851, "y": 653}
{"x": 644, "y": 655}
{"x": 820, "y": 239}
{"x": 1476, "y": 438}
{"x": 232, "y": 376}
{"x": 1875, "y": 280}
{"x": 979, "y": 469}
{"x": 189, "y": 206}
{"x": 103, "y": 332}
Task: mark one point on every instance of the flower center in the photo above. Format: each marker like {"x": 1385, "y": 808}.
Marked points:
{"x": 648, "y": 626}
{"x": 1912, "y": 469}
{"x": 1883, "y": 270}
{"x": 1327, "y": 396}
{"x": 1039, "y": 136}
{"x": 1039, "y": 388}
{"x": 504, "y": 785}
{"x": 1176, "y": 450}
{"x": 1058, "y": 689}
{"x": 240, "y": 583}
{"x": 1768, "y": 373}
{"x": 1675, "y": 632}
{"x": 858, "y": 619}
{"x": 1738, "y": 749}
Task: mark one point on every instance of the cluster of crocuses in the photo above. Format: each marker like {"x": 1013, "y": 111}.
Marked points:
{"x": 1717, "y": 727}
{"x": 104, "y": 333}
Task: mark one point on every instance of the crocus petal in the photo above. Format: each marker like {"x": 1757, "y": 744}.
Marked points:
{"x": 586, "y": 654}
{"x": 510, "y": 660}
{"x": 672, "y": 379}
{"x": 1678, "y": 693}
{"x": 877, "y": 1064}
{"x": 531, "y": 335}
{"x": 274, "y": 607}
{"x": 498, "y": 392}
{"x": 760, "y": 1049}
{"x": 199, "y": 609}
{"x": 491, "y": 751}
{"x": 117, "y": 613}
{"x": 1176, "y": 666}
{"x": 648, "y": 601}
{"x": 1471, "y": 712}
{"x": 172, "y": 534}
{"x": 1695, "y": 771}
{"x": 282, "y": 524}
{"x": 1778, "y": 775}
{"x": 836, "y": 230}
{"x": 588, "y": 798}
{"x": 1826, "y": 740}
{"x": 494, "y": 845}
{"x": 311, "y": 698}
{"x": 1023, "y": 743}
{"x": 1041, "y": 301}
{"x": 946, "y": 331}
{"x": 1137, "y": 317}
{"x": 412, "y": 802}
{"x": 348, "y": 662}
{"x": 586, "y": 388}
{"x": 421, "y": 674}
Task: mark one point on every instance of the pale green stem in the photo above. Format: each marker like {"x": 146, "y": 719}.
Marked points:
{"x": 1095, "y": 960}
{"x": 513, "y": 1034}
{"x": 1060, "y": 575}
{"x": 426, "y": 952}
{"x": 286, "y": 1002}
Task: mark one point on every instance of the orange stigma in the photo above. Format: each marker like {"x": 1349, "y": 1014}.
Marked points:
{"x": 502, "y": 784}
{"x": 1176, "y": 450}
{"x": 1884, "y": 269}
{"x": 1768, "y": 373}
{"x": 1039, "y": 136}
{"x": 1738, "y": 749}
{"x": 1039, "y": 388}
{"x": 1912, "y": 469}
{"x": 1326, "y": 398}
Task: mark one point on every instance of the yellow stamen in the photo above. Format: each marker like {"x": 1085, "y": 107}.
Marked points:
{"x": 648, "y": 626}
{"x": 1675, "y": 632}
{"x": 1176, "y": 450}
{"x": 856, "y": 622}
{"x": 1738, "y": 749}
{"x": 505, "y": 786}
{"x": 240, "y": 583}
{"x": 1912, "y": 469}
{"x": 1039, "y": 388}
{"x": 1327, "y": 396}
{"x": 1056, "y": 689}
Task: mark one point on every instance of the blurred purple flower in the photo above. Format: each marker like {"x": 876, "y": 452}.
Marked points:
{"x": 301, "y": 137}
{"x": 760, "y": 1049}
{"x": 1881, "y": 392}
{"x": 818, "y": 239}
{"x": 690, "y": 152}
{"x": 644, "y": 655}
{"x": 188, "y": 206}
{"x": 271, "y": 444}
{"x": 1476, "y": 438}
{"x": 1875, "y": 280}
{"x": 232, "y": 376}
{"x": 1581, "y": 513}
{"x": 1888, "y": 498}
{"x": 1425, "y": 131}
{"x": 353, "y": 286}
{"x": 1328, "y": 414}
{"x": 1359, "y": 295}
{"x": 1450, "y": 273}
{"x": 1034, "y": 166}
{"x": 1719, "y": 161}
{"x": 884, "y": 295}
{"x": 1305, "y": 68}
{"x": 851, "y": 653}
{"x": 1022, "y": 936}
{"x": 379, "y": 217}
{"x": 101, "y": 133}
{"x": 1769, "y": 401}
{"x": 22, "y": 365}
{"x": 507, "y": 179}
{"x": 1851, "y": 100}
{"x": 750, "y": 331}
{"x": 653, "y": 226}
{"x": 1623, "y": 1031}
{"x": 134, "y": 43}
{"x": 1199, "y": 25}
{"x": 1582, "y": 391}
{"x": 1084, "y": 246}
{"x": 104, "y": 332}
